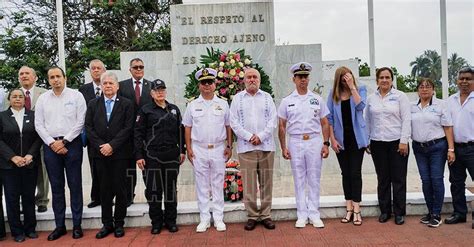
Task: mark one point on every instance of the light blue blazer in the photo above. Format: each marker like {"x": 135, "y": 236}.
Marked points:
{"x": 358, "y": 121}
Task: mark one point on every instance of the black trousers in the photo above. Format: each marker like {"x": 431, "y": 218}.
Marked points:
{"x": 391, "y": 169}
{"x": 131, "y": 179}
{"x": 112, "y": 176}
{"x": 457, "y": 177}
{"x": 160, "y": 175}
{"x": 2, "y": 217}
{"x": 95, "y": 189}
{"x": 20, "y": 183}
{"x": 350, "y": 162}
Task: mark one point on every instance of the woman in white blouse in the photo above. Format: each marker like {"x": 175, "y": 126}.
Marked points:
{"x": 389, "y": 126}
{"x": 433, "y": 144}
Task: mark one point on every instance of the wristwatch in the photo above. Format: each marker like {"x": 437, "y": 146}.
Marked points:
{"x": 327, "y": 143}
{"x": 65, "y": 141}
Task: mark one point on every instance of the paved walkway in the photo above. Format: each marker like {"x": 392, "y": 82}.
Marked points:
{"x": 371, "y": 233}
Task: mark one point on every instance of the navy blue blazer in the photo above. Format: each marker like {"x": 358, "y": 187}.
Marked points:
{"x": 358, "y": 121}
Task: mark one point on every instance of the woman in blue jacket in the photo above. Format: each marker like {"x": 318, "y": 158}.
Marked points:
{"x": 346, "y": 103}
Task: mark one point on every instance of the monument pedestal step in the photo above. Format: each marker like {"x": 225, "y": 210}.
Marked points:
{"x": 282, "y": 209}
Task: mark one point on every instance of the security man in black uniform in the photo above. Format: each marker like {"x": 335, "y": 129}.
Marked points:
{"x": 159, "y": 147}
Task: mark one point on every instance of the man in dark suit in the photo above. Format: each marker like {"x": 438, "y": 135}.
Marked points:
{"x": 109, "y": 130}
{"x": 91, "y": 91}
{"x": 136, "y": 89}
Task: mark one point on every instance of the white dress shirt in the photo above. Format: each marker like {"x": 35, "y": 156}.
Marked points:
{"x": 208, "y": 119}
{"x": 388, "y": 118}
{"x": 61, "y": 115}
{"x": 427, "y": 123}
{"x": 251, "y": 115}
{"x": 19, "y": 117}
{"x": 303, "y": 113}
{"x": 463, "y": 117}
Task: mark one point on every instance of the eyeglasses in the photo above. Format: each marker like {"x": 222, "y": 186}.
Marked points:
{"x": 207, "y": 82}
{"x": 138, "y": 67}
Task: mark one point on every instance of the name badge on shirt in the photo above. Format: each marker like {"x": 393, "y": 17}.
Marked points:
{"x": 313, "y": 101}
{"x": 27, "y": 121}
{"x": 393, "y": 99}
{"x": 173, "y": 111}
{"x": 218, "y": 110}
{"x": 197, "y": 109}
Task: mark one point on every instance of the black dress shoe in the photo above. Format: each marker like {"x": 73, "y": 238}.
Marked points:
{"x": 384, "y": 217}
{"x": 93, "y": 204}
{"x": 32, "y": 235}
{"x": 251, "y": 224}
{"x": 57, "y": 233}
{"x": 172, "y": 227}
{"x": 155, "y": 230}
{"x": 77, "y": 232}
{"x": 20, "y": 238}
{"x": 42, "y": 209}
{"x": 104, "y": 232}
{"x": 399, "y": 219}
{"x": 129, "y": 203}
{"x": 119, "y": 232}
{"x": 268, "y": 223}
{"x": 454, "y": 219}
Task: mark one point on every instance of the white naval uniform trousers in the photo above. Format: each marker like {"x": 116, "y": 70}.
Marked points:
{"x": 306, "y": 162}
{"x": 209, "y": 170}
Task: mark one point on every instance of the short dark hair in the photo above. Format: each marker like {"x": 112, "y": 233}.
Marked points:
{"x": 377, "y": 74}
{"x": 135, "y": 60}
{"x": 424, "y": 79}
{"x": 57, "y": 67}
{"x": 13, "y": 90}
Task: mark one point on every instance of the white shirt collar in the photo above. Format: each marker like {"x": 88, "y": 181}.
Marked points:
{"x": 113, "y": 98}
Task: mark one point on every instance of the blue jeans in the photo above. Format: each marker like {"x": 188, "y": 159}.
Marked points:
{"x": 431, "y": 161}
{"x": 56, "y": 165}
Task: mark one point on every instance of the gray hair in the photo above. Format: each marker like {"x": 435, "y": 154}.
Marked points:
{"x": 33, "y": 71}
{"x": 467, "y": 69}
{"x": 108, "y": 74}
{"x": 96, "y": 61}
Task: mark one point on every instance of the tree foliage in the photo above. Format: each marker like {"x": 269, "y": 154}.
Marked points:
{"x": 92, "y": 29}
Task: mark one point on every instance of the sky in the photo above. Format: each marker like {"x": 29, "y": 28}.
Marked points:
{"x": 403, "y": 29}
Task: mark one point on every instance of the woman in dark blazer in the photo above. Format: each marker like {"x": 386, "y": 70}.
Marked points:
{"x": 349, "y": 138}
{"x": 19, "y": 159}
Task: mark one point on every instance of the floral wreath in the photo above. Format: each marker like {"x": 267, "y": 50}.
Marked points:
{"x": 230, "y": 68}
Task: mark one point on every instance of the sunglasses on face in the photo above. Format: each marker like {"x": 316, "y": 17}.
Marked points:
{"x": 138, "y": 67}
{"x": 206, "y": 82}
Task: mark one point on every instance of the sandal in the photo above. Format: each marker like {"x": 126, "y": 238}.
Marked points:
{"x": 349, "y": 213}
{"x": 357, "y": 222}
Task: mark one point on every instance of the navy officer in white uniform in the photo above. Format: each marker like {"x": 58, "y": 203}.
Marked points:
{"x": 207, "y": 128}
{"x": 303, "y": 115}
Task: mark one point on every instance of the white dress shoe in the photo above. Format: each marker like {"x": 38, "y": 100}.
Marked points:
{"x": 202, "y": 227}
{"x": 300, "y": 223}
{"x": 317, "y": 223}
{"x": 220, "y": 226}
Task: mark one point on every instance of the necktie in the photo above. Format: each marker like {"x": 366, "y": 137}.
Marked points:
{"x": 108, "y": 108}
{"x": 27, "y": 100}
{"x": 137, "y": 92}
{"x": 97, "y": 92}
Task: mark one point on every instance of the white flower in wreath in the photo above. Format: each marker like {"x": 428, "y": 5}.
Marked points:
{"x": 241, "y": 64}
{"x": 232, "y": 72}
{"x": 231, "y": 86}
{"x": 241, "y": 74}
{"x": 232, "y": 61}
{"x": 220, "y": 74}
{"x": 221, "y": 64}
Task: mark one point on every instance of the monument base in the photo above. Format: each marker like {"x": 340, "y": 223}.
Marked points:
{"x": 283, "y": 209}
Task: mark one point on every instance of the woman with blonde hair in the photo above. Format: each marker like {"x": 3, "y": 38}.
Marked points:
{"x": 346, "y": 103}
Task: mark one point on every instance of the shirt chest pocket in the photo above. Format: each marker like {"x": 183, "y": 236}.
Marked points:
{"x": 198, "y": 116}
{"x": 69, "y": 108}
{"x": 291, "y": 110}
{"x": 218, "y": 115}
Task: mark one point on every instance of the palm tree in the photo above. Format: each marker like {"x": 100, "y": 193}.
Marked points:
{"x": 420, "y": 66}
{"x": 455, "y": 63}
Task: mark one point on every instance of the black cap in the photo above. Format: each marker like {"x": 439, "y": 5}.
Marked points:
{"x": 158, "y": 84}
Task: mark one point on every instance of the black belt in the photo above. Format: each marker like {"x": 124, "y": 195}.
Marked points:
{"x": 464, "y": 144}
{"x": 429, "y": 143}
{"x": 58, "y": 138}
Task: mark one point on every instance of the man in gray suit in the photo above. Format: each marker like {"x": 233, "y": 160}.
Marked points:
{"x": 27, "y": 78}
